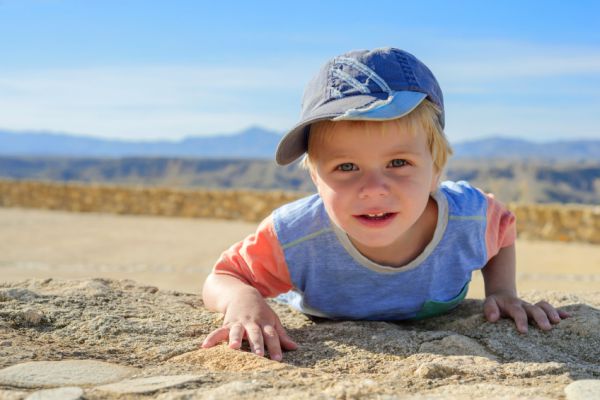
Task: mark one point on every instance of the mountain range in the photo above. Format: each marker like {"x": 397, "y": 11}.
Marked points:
{"x": 259, "y": 143}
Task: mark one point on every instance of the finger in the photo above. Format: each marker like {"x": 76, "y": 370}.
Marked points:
{"x": 538, "y": 314}
{"x": 236, "y": 335}
{"x": 215, "y": 337}
{"x": 491, "y": 310}
{"x": 286, "y": 342}
{"x": 518, "y": 314}
{"x": 550, "y": 311}
{"x": 255, "y": 338}
{"x": 564, "y": 314}
{"x": 271, "y": 339}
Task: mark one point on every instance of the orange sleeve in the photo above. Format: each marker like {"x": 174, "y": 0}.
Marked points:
{"x": 501, "y": 227}
{"x": 258, "y": 261}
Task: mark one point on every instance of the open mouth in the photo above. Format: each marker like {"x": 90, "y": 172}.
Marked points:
{"x": 376, "y": 217}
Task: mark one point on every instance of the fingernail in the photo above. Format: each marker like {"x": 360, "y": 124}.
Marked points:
{"x": 277, "y": 357}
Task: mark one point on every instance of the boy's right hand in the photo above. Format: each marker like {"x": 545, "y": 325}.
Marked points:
{"x": 249, "y": 316}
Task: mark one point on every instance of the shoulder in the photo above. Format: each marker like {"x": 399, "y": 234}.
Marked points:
{"x": 464, "y": 199}
{"x": 301, "y": 217}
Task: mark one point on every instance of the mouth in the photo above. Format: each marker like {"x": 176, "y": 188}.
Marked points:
{"x": 376, "y": 217}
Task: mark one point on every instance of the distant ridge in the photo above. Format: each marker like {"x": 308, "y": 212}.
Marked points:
{"x": 510, "y": 148}
{"x": 254, "y": 142}
{"x": 259, "y": 143}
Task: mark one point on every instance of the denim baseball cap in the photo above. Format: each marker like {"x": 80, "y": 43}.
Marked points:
{"x": 373, "y": 85}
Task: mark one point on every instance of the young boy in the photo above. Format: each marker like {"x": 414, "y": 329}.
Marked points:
{"x": 382, "y": 239}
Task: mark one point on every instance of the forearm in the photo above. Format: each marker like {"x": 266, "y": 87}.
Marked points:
{"x": 219, "y": 290}
{"x": 499, "y": 274}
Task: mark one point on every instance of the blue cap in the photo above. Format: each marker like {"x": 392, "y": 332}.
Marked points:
{"x": 372, "y": 85}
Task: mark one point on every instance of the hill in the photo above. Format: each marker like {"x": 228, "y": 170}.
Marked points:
{"x": 522, "y": 181}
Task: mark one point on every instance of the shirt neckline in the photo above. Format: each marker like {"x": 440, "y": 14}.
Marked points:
{"x": 442, "y": 223}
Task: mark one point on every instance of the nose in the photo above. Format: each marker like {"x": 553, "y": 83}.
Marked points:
{"x": 372, "y": 185}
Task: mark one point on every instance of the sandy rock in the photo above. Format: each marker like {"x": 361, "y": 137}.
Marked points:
{"x": 17, "y": 294}
{"x": 456, "y": 345}
{"x": 63, "y": 393}
{"x": 148, "y": 385}
{"x": 479, "y": 391}
{"x": 232, "y": 390}
{"x": 60, "y": 373}
{"x": 157, "y": 334}
{"x": 222, "y": 358}
{"x": 12, "y": 394}
{"x": 586, "y": 389}
{"x": 33, "y": 317}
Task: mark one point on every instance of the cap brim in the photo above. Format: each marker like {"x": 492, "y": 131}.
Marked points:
{"x": 373, "y": 107}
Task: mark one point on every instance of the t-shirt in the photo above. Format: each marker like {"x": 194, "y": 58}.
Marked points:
{"x": 299, "y": 256}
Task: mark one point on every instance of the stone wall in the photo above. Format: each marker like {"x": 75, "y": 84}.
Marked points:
{"x": 546, "y": 222}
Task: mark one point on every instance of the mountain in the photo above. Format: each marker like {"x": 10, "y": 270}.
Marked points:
{"x": 254, "y": 142}
{"x": 259, "y": 143}
{"x": 510, "y": 148}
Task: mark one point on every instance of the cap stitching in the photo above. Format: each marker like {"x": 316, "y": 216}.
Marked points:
{"x": 365, "y": 70}
{"x": 355, "y": 83}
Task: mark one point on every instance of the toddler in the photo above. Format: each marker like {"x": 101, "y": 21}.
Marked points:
{"x": 382, "y": 239}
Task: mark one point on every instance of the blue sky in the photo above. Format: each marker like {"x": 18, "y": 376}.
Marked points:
{"x": 168, "y": 69}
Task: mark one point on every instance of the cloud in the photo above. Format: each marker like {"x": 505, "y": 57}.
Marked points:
{"x": 150, "y": 101}
{"x": 490, "y": 86}
{"x": 477, "y": 66}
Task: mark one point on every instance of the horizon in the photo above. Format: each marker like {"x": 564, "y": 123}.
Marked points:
{"x": 180, "y": 69}
{"x": 268, "y": 131}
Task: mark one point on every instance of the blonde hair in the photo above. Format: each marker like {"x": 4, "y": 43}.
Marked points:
{"x": 424, "y": 116}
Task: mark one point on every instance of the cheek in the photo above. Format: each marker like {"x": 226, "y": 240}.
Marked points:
{"x": 335, "y": 202}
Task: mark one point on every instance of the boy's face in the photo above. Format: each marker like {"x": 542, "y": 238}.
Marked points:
{"x": 375, "y": 186}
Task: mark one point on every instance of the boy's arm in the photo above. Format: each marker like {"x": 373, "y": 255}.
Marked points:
{"x": 249, "y": 270}
{"x": 499, "y": 275}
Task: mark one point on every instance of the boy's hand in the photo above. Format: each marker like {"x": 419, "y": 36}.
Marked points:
{"x": 250, "y": 317}
{"x": 506, "y": 304}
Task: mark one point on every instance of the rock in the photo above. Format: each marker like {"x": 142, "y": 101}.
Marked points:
{"x": 587, "y": 389}
{"x": 33, "y": 317}
{"x": 458, "y": 356}
{"x": 479, "y": 391}
{"x": 148, "y": 385}
{"x": 37, "y": 374}
{"x": 456, "y": 345}
{"x": 21, "y": 294}
{"x": 435, "y": 371}
{"x": 229, "y": 390}
{"x": 12, "y": 394}
{"x": 63, "y": 393}
{"x": 222, "y": 358}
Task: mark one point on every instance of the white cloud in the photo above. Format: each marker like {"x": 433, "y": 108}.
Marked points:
{"x": 476, "y": 66}
{"x": 148, "y": 101}
{"x": 485, "y": 82}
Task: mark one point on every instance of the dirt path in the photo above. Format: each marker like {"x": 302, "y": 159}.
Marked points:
{"x": 177, "y": 253}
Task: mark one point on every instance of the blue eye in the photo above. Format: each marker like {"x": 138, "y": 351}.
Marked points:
{"x": 396, "y": 163}
{"x": 347, "y": 167}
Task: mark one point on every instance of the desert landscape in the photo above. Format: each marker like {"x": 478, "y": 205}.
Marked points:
{"x": 98, "y": 306}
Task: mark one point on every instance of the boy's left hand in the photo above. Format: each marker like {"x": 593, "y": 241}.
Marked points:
{"x": 508, "y": 305}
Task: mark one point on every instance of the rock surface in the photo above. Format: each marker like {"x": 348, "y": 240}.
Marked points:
{"x": 585, "y": 389}
{"x": 154, "y": 335}
{"x": 36, "y": 374}
{"x": 62, "y": 393}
